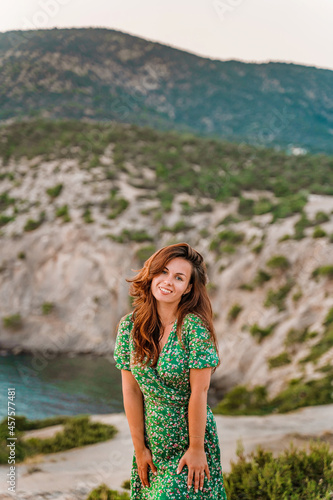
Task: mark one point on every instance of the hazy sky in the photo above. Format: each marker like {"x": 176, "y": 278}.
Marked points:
{"x": 298, "y": 31}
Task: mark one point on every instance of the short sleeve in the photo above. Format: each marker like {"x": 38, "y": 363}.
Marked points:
{"x": 202, "y": 351}
{"x": 121, "y": 352}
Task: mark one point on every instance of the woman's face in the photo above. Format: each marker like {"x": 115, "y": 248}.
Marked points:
{"x": 173, "y": 282}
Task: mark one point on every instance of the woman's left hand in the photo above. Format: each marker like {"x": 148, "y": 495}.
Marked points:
{"x": 196, "y": 462}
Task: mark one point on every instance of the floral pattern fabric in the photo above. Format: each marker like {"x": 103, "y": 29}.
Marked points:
{"x": 166, "y": 390}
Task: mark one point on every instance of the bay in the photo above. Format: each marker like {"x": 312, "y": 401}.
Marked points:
{"x": 63, "y": 385}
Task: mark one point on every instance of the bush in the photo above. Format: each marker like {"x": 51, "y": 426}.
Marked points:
{"x": 321, "y": 217}
{"x": 246, "y": 206}
{"x": 116, "y": 203}
{"x": 13, "y": 322}
{"x": 280, "y": 360}
{"x": 293, "y": 475}
{"x": 318, "y": 232}
{"x": 234, "y": 311}
{"x": 145, "y": 252}
{"x": 241, "y": 401}
{"x": 295, "y": 336}
{"x": 277, "y": 297}
{"x": 4, "y": 219}
{"x": 300, "y": 225}
{"x": 87, "y": 216}
{"x": 317, "y": 350}
{"x": 261, "y": 277}
{"x": 47, "y": 307}
{"x": 102, "y": 492}
{"x": 32, "y": 224}
{"x": 323, "y": 271}
{"x": 55, "y": 191}
{"x": 329, "y": 317}
{"x": 278, "y": 262}
{"x": 63, "y": 212}
{"x": 261, "y": 333}
{"x": 78, "y": 431}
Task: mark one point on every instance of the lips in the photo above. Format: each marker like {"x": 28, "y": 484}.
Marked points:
{"x": 165, "y": 290}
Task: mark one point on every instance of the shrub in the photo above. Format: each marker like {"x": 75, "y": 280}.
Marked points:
{"x": 296, "y": 336}
{"x": 117, "y": 204}
{"x": 300, "y": 393}
{"x": 5, "y": 201}
{"x": 300, "y": 225}
{"x": 77, "y": 431}
{"x": 261, "y": 277}
{"x": 280, "y": 360}
{"x": 241, "y": 401}
{"x": 261, "y": 333}
{"x": 47, "y": 307}
{"x": 329, "y": 317}
{"x": 277, "y": 297}
{"x": 257, "y": 249}
{"x": 263, "y": 206}
{"x": 13, "y": 321}
{"x": 318, "y": 232}
{"x": 278, "y": 262}
{"x": 87, "y": 216}
{"x": 246, "y": 206}
{"x": 143, "y": 253}
{"x": 323, "y": 271}
{"x": 234, "y": 311}
{"x": 32, "y": 224}
{"x": 317, "y": 350}
{"x": 321, "y": 217}
{"x": 63, "y": 212}
{"x": 4, "y": 219}
{"x": 55, "y": 191}
{"x": 179, "y": 226}
{"x": 288, "y": 206}
{"x": 293, "y": 475}
{"x": 102, "y": 492}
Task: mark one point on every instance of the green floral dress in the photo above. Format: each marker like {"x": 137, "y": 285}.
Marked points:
{"x": 166, "y": 390}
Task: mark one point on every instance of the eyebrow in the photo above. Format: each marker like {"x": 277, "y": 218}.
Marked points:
{"x": 176, "y": 273}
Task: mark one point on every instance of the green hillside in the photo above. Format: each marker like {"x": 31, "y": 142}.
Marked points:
{"x": 107, "y": 75}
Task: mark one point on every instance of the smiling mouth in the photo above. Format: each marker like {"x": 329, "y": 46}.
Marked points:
{"x": 164, "y": 290}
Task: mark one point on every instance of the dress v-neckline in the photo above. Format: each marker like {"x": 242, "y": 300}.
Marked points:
{"x": 167, "y": 342}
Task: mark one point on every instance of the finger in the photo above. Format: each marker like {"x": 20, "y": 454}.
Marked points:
{"x": 189, "y": 478}
{"x": 202, "y": 479}
{"x": 153, "y": 467}
{"x": 144, "y": 478}
{"x": 207, "y": 472}
{"x": 196, "y": 480}
{"x": 180, "y": 466}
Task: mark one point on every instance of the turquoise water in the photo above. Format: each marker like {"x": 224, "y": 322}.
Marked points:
{"x": 60, "y": 386}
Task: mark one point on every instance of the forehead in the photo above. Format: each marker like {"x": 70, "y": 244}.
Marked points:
{"x": 178, "y": 264}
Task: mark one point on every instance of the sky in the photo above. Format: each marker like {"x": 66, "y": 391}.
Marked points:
{"x": 297, "y": 31}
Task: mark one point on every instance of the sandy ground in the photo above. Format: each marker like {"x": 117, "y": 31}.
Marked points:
{"x": 72, "y": 474}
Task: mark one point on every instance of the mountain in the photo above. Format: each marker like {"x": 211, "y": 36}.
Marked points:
{"x": 107, "y": 75}
{"x": 83, "y": 205}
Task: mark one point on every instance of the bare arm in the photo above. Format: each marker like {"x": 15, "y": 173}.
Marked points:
{"x": 133, "y": 404}
{"x": 195, "y": 456}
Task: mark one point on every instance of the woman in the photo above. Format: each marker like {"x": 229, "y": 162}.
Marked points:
{"x": 166, "y": 350}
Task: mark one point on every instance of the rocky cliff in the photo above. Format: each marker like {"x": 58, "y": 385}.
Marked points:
{"x": 73, "y": 229}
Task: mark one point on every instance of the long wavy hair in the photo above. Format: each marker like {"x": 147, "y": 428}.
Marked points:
{"x": 147, "y": 324}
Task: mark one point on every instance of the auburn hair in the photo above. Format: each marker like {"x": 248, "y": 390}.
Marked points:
{"x": 147, "y": 324}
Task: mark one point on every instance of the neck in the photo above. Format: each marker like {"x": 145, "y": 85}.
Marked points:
{"x": 167, "y": 313}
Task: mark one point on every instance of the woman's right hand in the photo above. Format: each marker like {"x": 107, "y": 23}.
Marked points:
{"x": 144, "y": 459}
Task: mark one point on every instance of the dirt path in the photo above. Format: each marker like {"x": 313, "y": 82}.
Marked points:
{"x": 72, "y": 474}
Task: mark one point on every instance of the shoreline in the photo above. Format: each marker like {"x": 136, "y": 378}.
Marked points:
{"x": 72, "y": 474}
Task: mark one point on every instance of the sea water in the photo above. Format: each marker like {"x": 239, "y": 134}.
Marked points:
{"x": 63, "y": 385}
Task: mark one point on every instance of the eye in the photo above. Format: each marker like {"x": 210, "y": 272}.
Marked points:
{"x": 178, "y": 277}
{"x": 164, "y": 272}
